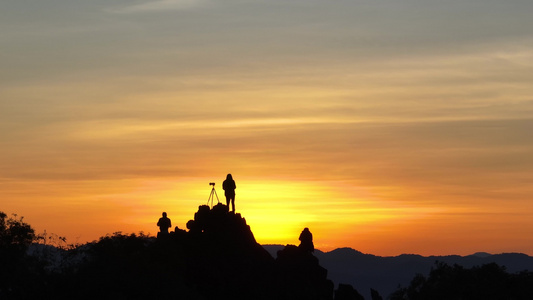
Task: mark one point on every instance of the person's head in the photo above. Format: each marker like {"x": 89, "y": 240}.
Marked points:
{"x": 164, "y": 214}
{"x": 229, "y": 177}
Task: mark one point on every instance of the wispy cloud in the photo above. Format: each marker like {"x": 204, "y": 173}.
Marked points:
{"x": 399, "y": 103}
{"x": 157, "y": 6}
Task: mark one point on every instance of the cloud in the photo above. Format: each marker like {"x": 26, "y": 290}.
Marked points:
{"x": 158, "y": 6}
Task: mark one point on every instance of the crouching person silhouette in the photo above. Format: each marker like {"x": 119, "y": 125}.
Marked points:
{"x": 164, "y": 224}
{"x": 306, "y": 241}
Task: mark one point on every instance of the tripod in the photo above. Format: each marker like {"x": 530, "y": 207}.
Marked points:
{"x": 211, "y": 197}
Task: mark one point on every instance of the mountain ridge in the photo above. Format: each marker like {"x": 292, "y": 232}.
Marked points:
{"x": 386, "y": 273}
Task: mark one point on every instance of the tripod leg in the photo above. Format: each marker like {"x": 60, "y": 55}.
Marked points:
{"x": 210, "y": 198}
{"x": 216, "y": 195}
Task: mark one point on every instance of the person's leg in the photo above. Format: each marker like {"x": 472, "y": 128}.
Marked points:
{"x": 228, "y": 198}
{"x": 233, "y": 203}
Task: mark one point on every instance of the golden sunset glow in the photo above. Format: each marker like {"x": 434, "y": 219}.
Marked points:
{"x": 387, "y": 127}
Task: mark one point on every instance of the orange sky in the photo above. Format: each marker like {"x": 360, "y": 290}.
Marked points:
{"x": 389, "y": 127}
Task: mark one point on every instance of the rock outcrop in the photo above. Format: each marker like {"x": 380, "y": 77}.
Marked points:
{"x": 217, "y": 258}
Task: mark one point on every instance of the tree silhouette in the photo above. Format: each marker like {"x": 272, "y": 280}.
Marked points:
{"x": 17, "y": 271}
{"x": 489, "y": 281}
{"x": 15, "y": 233}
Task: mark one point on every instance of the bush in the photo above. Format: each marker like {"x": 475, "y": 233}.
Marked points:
{"x": 485, "y": 282}
{"x": 17, "y": 272}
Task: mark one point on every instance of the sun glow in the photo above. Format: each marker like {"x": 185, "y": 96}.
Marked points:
{"x": 337, "y": 213}
{"x": 276, "y": 210}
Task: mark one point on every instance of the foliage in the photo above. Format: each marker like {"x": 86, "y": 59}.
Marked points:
{"x": 17, "y": 271}
{"x": 15, "y": 233}
{"x": 489, "y": 281}
{"x": 57, "y": 241}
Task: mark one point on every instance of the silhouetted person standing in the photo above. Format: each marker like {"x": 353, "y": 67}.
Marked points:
{"x": 306, "y": 240}
{"x": 164, "y": 224}
{"x": 229, "y": 190}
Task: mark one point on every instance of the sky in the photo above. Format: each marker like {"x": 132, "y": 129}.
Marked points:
{"x": 386, "y": 126}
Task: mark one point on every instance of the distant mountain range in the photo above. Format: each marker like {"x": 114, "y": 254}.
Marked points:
{"x": 386, "y": 274}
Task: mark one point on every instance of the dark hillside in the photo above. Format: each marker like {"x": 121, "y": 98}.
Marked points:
{"x": 385, "y": 274}
{"x": 218, "y": 258}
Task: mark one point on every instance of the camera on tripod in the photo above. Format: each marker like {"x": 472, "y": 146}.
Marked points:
{"x": 212, "y": 195}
